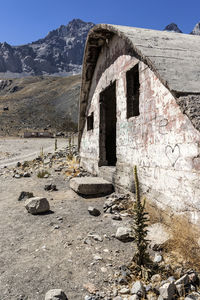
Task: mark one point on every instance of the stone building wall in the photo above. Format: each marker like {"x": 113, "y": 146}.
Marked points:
{"x": 161, "y": 141}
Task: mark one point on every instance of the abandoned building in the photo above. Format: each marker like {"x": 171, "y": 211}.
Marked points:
{"x": 140, "y": 105}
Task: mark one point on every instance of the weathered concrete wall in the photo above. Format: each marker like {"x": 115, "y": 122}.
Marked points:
{"x": 161, "y": 141}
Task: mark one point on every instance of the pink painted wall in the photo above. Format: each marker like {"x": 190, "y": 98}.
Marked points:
{"x": 161, "y": 141}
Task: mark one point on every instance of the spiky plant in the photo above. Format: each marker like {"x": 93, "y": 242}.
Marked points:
{"x": 56, "y": 145}
{"x": 141, "y": 256}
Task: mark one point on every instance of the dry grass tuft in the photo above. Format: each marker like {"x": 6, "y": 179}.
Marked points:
{"x": 183, "y": 245}
{"x": 184, "y": 241}
{"x": 156, "y": 214}
{"x": 73, "y": 167}
{"x": 42, "y": 173}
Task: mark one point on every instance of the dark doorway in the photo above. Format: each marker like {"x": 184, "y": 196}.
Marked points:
{"x": 107, "y": 139}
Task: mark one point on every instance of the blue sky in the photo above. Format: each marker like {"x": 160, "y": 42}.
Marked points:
{"x": 23, "y": 21}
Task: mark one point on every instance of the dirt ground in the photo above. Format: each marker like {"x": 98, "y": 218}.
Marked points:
{"x": 43, "y": 252}
{"x": 13, "y": 150}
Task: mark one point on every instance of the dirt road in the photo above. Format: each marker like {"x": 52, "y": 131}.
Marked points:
{"x": 13, "y": 150}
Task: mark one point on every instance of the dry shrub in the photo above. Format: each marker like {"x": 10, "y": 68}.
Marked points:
{"x": 42, "y": 173}
{"x": 73, "y": 167}
{"x": 183, "y": 245}
{"x": 156, "y": 214}
{"x": 184, "y": 241}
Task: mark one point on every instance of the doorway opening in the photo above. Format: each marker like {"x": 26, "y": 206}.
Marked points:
{"x": 107, "y": 138}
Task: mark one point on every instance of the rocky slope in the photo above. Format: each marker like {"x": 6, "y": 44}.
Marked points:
{"x": 172, "y": 27}
{"x": 59, "y": 53}
{"x": 38, "y": 103}
{"x": 196, "y": 30}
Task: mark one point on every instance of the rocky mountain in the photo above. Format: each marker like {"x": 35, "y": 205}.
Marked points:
{"x": 39, "y": 103}
{"x": 172, "y": 27}
{"x": 59, "y": 53}
{"x": 196, "y": 30}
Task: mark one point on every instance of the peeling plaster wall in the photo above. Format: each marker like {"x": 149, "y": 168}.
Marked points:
{"x": 161, "y": 141}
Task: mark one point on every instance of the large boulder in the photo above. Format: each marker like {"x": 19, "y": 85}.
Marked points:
{"x": 37, "y": 205}
{"x": 158, "y": 236}
{"x": 55, "y": 295}
{"x": 91, "y": 186}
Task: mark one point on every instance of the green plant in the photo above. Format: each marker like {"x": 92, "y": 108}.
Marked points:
{"x": 70, "y": 152}
{"x": 41, "y": 152}
{"x": 42, "y": 173}
{"x": 140, "y": 226}
{"x": 56, "y": 145}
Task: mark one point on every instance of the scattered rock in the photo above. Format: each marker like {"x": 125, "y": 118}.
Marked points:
{"x": 151, "y": 296}
{"x": 37, "y": 205}
{"x": 124, "y": 234}
{"x": 94, "y": 211}
{"x": 193, "y": 277}
{"x": 17, "y": 176}
{"x": 50, "y": 187}
{"x": 96, "y": 237}
{"x": 183, "y": 280}
{"x": 157, "y": 258}
{"x": 138, "y": 289}
{"x": 156, "y": 278}
{"x": 97, "y": 257}
{"x": 26, "y": 174}
{"x": 180, "y": 289}
{"x": 193, "y": 296}
{"x": 117, "y": 218}
{"x": 56, "y": 227}
{"x": 55, "y": 294}
{"x": 22, "y": 297}
{"x": 124, "y": 275}
{"x": 124, "y": 291}
{"x": 134, "y": 297}
{"x": 25, "y": 195}
{"x": 168, "y": 291}
{"x": 90, "y": 287}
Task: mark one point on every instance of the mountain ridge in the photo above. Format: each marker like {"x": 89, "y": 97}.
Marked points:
{"x": 59, "y": 53}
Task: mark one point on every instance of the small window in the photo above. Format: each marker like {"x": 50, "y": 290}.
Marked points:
{"x": 90, "y": 122}
{"x": 132, "y": 92}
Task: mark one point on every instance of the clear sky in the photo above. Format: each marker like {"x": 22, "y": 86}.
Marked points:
{"x": 24, "y": 21}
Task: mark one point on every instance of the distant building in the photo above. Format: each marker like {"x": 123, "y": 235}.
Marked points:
{"x": 38, "y": 135}
{"x": 140, "y": 105}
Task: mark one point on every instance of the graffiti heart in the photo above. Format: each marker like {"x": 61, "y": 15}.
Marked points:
{"x": 172, "y": 153}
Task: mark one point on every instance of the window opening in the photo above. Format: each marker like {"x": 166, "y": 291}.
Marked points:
{"x": 132, "y": 92}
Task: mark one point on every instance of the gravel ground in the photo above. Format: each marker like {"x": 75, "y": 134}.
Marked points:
{"x": 43, "y": 252}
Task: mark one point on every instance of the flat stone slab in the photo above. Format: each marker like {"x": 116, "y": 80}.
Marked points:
{"x": 91, "y": 186}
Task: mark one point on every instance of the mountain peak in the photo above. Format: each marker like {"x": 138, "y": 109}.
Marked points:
{"x": 196, "y": 30}
{"x": 173, "y": 28}
{"x": 59, "y": 53}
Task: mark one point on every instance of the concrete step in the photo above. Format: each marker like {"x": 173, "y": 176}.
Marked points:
{"x": 91, "y": 186}
{"x": 107, "y": 173}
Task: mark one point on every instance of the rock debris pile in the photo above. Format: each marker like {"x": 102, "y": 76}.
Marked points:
{"x": 64, "y": 162}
